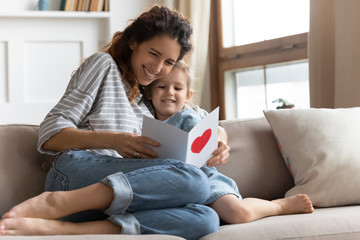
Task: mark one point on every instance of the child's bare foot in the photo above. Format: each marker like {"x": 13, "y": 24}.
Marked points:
{"x": 296, "y": 204}
{"x": 38, "y": 226}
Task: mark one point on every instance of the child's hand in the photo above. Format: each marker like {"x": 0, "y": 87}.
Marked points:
{"x": 221, "y": 155}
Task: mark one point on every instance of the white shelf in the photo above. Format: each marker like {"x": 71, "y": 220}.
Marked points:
{"x": 54, "y": 14}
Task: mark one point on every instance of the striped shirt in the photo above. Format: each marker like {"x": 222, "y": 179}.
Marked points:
{"x": 95, "y": 99}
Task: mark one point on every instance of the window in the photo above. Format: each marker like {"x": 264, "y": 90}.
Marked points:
{"x": 266, "y": 87}
{"x": 258, "y": 52}
{"x": 249, "y": 21}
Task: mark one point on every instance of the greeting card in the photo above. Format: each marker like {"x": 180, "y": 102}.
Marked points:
{"x": 194, "y": 147}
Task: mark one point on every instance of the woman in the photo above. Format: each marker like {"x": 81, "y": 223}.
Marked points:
{"x": 103, "y": 161}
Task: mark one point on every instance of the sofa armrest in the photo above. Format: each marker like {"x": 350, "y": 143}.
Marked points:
{"x": 22, "y": 168}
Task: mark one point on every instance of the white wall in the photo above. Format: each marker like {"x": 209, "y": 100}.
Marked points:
{"x": 124, "y": 10}
{"x": 21, "y": 77}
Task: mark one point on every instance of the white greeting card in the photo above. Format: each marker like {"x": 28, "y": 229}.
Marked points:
{"x": 194, "y": 147}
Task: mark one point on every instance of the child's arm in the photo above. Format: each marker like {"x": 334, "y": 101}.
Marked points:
{"x": 221, "y": 154}
{"x": 222, "y": 135}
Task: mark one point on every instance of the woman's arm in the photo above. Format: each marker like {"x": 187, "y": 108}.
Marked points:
{"x": 221, "y": 154}
{"x": 126, "y": 144}
{"x": 70, "y": 138}
{"x": 67, "y": 127}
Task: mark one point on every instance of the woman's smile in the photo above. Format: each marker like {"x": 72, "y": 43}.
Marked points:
{"x": 154, "y": 58}
{"x": 149, "y": 74}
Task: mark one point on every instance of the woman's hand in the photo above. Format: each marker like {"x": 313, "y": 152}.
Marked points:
{"x": 131, "y": 145}
{"x": 128, "y": 145}
{"x": 221, "y": 155}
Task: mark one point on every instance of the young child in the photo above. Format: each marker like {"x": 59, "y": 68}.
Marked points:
{"x": 169, "y": 97}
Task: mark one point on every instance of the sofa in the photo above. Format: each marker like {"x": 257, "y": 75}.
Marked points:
{"x": 256, "y": 164}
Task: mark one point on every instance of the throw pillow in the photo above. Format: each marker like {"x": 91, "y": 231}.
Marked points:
{"x": 321, "y": 148}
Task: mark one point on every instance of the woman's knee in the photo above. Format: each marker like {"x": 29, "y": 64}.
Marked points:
{"x": 197, "y": 184}
{"x": 206, "y": 221}
{"x": 212, "y": 221}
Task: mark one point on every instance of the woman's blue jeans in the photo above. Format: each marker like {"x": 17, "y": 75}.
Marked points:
{"x": 151, "y": 196}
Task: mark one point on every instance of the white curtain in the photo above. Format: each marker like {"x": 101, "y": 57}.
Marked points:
{"x": 198, "y": 11}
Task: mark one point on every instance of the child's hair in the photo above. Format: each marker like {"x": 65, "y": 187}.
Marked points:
{"x": 185, "y": 68}
{"x": 179, "y": 66}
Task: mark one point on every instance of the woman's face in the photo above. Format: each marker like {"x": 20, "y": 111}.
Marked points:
{"x": 154, "y": 58}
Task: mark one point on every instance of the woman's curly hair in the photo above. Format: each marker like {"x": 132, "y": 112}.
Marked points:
{"x": 159, "y": 20}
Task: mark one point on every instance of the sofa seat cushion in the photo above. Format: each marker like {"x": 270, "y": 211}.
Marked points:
{"x": 95, "y": 237}
{"x": 325, "y": 223}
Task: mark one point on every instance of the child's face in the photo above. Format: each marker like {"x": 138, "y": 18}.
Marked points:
{"x": 154, "y": 58}
{"x": 169, "y": 94}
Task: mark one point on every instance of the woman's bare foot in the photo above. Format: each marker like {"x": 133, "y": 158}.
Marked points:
{"x": 296, "y": 204}
{"x": 49, "y": 205}
{"x": 53, "y": 205}
{"x": 38, "y": 226}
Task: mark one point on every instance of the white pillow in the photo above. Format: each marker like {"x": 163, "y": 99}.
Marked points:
{"x": 321, "y": 148}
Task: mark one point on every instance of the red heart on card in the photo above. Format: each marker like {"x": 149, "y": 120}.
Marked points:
{"x": 200, "y": 142}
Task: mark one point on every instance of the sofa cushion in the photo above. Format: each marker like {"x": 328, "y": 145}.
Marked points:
{"x": 321, "y": 147}
{"x": 96, "y": 237}
{"x": 336, "y": 223}
{"x": 255, "y": 162}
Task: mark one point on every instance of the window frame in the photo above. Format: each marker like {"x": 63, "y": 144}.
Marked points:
{"x": 284, "y": 49}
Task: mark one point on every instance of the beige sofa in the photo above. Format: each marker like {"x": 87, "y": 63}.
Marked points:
{"x": 255, "y": 164}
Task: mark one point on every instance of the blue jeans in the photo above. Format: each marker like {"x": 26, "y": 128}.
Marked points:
{"x": 185, "y": 119}
{"x": 153, "y": 196}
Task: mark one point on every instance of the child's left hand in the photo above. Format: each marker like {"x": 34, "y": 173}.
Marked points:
{"x": 221, "y": 155}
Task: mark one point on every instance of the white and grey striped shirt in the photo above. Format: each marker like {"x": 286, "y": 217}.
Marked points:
{"x": 96, "y": 100}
